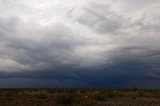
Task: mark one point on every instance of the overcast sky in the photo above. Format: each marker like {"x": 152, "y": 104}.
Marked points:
{"x": 80, "y": 43}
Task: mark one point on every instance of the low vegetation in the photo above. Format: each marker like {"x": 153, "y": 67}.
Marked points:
{"x": 79, "y": 97}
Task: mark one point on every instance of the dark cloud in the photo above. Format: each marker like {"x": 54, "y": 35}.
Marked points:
{"x": 90, "y": 44}
{"x": 128, "y": 70}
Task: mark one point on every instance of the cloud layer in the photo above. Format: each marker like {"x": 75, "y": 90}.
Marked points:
{"x": 94, "y": 44}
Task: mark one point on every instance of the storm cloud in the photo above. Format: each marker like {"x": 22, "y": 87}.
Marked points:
{"x": 58, "y": 43}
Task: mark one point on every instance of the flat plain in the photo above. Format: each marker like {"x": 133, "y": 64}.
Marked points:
{"x": 79, "y": 97}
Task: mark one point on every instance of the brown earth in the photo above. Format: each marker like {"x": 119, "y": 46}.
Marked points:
{"x": 79, "y": 97}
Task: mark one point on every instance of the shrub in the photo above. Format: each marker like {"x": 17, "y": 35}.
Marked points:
{"x": 100, "y": 97}
{"x": 65, "y": 99}
{"x": 41, "y": 96}
{"x": 111, "y": 94}
{"x": 140, "y": 93}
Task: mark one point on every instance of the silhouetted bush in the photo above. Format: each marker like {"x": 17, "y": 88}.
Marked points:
{"x": 65, "y": 99}
{"x": 100, "y": 97}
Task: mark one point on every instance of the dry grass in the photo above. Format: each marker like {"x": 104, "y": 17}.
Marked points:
{"x": 79, "y": 97}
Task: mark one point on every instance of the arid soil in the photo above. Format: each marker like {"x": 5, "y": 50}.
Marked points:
{"x": 79, "y": 97}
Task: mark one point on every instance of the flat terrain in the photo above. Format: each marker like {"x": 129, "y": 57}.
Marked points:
{"x": 79, "y": 97}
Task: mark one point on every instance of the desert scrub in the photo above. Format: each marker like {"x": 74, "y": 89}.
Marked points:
{"x": 41, "y": 96}
{"x": 10, "y": 93}
{"x": 100, "y": 97}
{"x": 67, "y": 98}
{"x": 111, "y": 93}
{"x": 140, "y": 93}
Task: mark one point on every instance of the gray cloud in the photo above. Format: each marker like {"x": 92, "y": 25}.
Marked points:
{"x": 96, "y": 44}
{"x": 101, "y": 18}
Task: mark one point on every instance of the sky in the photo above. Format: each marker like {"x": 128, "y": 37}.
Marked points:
{"x": 80, "y": 43}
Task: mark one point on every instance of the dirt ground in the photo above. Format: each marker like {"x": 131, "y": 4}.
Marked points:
{"x": 79, "y": 97}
